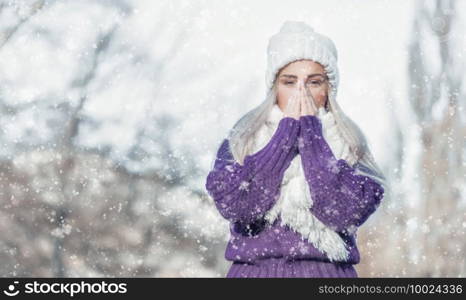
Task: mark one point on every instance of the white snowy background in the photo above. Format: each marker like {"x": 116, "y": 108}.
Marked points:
{"x": 112, "y": 111}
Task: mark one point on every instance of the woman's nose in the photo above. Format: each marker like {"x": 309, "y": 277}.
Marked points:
{"x": 300, "y": 85}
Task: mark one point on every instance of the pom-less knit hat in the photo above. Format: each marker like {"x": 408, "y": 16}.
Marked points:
{"x": 297, "y": 40}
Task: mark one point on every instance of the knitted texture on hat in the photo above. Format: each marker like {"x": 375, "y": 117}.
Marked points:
{"x": 295, "y": 41}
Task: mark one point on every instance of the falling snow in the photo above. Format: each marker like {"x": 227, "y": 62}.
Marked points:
{"x": 112, "y": 112}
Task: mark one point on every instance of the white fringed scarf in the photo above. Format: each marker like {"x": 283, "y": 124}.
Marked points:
{"x": 295, "y": 199}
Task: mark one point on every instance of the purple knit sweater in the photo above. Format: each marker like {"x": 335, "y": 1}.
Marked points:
{"x": 342, "y": 200}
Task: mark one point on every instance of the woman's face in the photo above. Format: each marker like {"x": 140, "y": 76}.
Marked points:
{"x": 310, "y": 73}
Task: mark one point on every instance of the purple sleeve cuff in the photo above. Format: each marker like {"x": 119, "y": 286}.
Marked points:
{"x": 245, "y": 192}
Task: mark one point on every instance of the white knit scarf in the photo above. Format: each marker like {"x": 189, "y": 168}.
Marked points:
{"x": 295, "y": 198}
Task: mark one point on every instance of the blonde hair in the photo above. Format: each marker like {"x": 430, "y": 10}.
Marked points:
{"x": 241, "y": 136}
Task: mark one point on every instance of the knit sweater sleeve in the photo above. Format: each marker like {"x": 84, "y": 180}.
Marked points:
{"x": 342, "y": 199}
{"x": 245, "y": 192}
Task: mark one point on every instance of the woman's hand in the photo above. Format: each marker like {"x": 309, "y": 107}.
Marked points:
{"x": 307, "y": 102}
{"x": 293, "y": 107}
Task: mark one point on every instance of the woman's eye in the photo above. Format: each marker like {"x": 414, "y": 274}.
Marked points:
{"x": 315, "y": 82}
{"x": 289, "y": 82}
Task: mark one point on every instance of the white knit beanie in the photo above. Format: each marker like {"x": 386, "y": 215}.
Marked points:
{"x": 297, "y": 40}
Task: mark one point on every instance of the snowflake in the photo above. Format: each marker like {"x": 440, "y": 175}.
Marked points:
{"x": 352, "y": 229}
{"x": 333, "y": 166}
{"x": 303, "y": 248}
{"x": 300, "y": 142}
{"x": 244, "y": 185}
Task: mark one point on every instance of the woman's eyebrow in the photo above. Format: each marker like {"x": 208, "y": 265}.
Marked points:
{"x": 294, "y": 76}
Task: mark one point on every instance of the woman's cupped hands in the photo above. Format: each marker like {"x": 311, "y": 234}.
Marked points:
{"x": 301, "y": 103}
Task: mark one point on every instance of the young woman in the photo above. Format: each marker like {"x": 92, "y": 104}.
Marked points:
{"x": 295, "y": 177}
